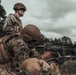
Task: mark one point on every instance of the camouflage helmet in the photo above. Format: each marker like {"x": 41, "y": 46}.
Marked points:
{"x": 30, "y": 32}
{"x": 19, "y": 6}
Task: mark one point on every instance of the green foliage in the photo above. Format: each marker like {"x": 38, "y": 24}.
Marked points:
{"x": 2, "y": 18}
{"x": 43, "y": 39}
{"x": 63, "y": 40}
{"x": 66, "y": 39}
{"x": 2, "y": 12}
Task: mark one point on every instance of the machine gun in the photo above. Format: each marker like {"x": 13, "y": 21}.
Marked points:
{"x": 59, "y": 57}
{"x": 39, "y": 47}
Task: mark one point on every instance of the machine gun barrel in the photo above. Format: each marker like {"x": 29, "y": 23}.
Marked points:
{"x": 58, "y": 59}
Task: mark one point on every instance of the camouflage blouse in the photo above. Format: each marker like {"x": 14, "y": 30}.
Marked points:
{"x": 12, "y": 24}
{"x": 18, "y": 49}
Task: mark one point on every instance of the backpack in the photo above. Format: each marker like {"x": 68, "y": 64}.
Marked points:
{"x": 4, "y": 55}
{"x": 2, "y": 33}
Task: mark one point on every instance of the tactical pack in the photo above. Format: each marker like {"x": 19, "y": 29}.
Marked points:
{"x": 4, "y": 53}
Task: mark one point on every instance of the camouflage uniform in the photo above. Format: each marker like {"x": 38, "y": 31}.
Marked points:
{"x": 16, "y": 46}
{"x": 18, "y": 50}
{"x": 12, "y": 24}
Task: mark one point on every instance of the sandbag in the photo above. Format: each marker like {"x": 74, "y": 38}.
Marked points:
{"x": 35, "y": 66}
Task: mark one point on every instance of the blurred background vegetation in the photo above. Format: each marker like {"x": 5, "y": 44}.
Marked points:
{"x": 65, "y": 40}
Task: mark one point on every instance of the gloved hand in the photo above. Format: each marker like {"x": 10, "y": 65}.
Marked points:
{"x": 47, "y": 55}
